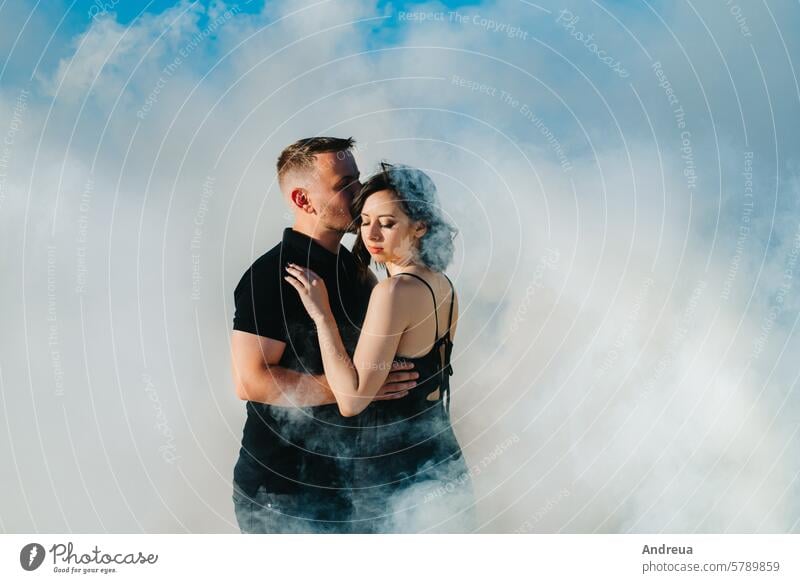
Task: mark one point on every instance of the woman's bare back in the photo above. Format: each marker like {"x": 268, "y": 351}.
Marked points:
{"x": 419, "y": 337}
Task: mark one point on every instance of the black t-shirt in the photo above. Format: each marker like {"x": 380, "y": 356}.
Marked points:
{"x": 297, "y": 449}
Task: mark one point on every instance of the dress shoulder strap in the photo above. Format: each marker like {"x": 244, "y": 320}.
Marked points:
{"x": 435, "y": 310}
{"x": 452, "y": 302}
{"x": 446, "y": 369}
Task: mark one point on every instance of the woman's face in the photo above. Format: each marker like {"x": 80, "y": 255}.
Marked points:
{"x": 386, "y": 230}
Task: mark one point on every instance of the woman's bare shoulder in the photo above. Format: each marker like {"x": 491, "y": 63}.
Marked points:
{"x": 398, "y": 289}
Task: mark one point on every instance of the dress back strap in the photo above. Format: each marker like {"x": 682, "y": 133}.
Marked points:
{"x": 435, "y": 309}
{"x": 452, "y": 302}
{"x": 446, "y": 369}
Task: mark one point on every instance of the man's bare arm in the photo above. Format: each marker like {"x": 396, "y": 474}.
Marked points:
{"x": 257, "y": 376}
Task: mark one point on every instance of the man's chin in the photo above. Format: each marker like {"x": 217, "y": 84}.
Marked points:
{"x": 349, "y": 227}
{"x": 338, "y": 226}
{"x": 341, "y": 230}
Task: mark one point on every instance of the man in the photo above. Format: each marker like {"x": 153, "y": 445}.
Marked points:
{"x": 291, "y": 474}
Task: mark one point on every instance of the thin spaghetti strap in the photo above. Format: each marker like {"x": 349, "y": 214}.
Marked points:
{"x": 435, "y": 310}
{"x": 447, "y": 367}
{"x": 452, "y": 302}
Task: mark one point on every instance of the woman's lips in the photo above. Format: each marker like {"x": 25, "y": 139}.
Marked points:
{"x": 374, "y": 250}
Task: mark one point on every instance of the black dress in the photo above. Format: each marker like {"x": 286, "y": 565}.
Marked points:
{"x": 409, "y": 474}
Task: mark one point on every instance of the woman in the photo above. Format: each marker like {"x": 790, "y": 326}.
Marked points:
{"x": 411, "y": 475}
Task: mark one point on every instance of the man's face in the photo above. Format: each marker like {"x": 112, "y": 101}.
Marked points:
{"x": 331, "y": 188}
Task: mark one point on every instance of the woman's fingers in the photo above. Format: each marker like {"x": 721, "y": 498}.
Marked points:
{"x": 291, "y": 268}
{"x": 298, "y": 275}
{"x": 307, "y": 270}
{"x": 308, "y": 273}
{"x": 304, "y": 275}
{"x": 295, "y": 284}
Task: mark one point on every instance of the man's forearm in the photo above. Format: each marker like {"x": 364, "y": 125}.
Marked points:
{"x": 284, "y": 387}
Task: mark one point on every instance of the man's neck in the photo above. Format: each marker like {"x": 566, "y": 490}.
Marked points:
{"x": 327, "y": 238}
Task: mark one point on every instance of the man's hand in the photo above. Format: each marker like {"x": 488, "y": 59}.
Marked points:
{"x": 400, "y": 380}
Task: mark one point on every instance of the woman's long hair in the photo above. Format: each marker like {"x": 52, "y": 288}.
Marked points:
{"x": 416, "y": 193}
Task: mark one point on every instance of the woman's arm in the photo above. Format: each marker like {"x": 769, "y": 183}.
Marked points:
{"x": 355, "y": 382}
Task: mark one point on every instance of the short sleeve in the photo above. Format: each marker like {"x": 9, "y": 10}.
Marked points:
{"x": 257, "y": 300}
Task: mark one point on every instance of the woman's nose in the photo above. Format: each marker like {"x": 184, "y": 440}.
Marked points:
{"x": 374, "y": 232}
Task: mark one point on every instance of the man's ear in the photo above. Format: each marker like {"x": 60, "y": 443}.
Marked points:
{"x": 420, "y": 229}
{"x": 300, "y": 199}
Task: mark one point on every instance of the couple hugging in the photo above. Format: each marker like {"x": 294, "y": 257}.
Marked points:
{"x": 346, "y": 378}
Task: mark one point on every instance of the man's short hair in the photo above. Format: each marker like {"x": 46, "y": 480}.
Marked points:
{"x": 303, "y": 153}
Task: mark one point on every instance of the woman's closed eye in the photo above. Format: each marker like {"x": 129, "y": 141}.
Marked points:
{"x": 383, "y": 225}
